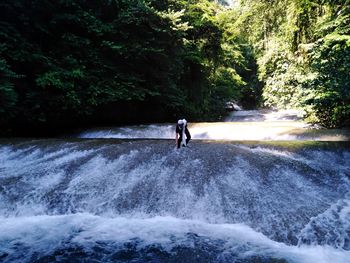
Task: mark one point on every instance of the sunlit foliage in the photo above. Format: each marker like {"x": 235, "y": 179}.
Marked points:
{"x": 303, "y": 55}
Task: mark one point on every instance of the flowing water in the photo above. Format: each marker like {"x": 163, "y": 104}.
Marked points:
{"x": 241, "y": 125}
{"x": 142, "y": 200}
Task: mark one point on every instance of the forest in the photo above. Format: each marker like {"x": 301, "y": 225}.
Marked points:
{"x": 69, "y": 64}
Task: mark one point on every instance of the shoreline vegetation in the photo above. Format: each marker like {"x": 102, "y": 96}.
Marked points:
{"x": 68, "y": 65}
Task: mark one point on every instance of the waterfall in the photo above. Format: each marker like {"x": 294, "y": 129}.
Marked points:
{"x": 109, "y": 200}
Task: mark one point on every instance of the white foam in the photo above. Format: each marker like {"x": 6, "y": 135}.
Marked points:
{"x": 315, "y": 159}
{"x": 147, "y": 182}
{"x": 270, "y": 151}
{"x": 21, "y": 161}
{"x": 34, "y": 172}
{"x": 44, "y": 234}
{"x": 102, "y": 179}
{"x": 134, "y": 132}
{"x": 332, "y": 227}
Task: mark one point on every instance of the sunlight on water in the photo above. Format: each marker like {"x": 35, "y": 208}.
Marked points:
{"x": 77, "y": 200}
{"x": 239, "y": 126}
{"x": 236, "y": 131}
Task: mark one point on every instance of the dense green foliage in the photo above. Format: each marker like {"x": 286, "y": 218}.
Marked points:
{"x": 70, "y": 63}
{"x": 303, "y": 49}
{"x": 66, "y": 63}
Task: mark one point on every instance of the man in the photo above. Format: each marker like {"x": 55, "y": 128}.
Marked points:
{"x": 181, "y": 131}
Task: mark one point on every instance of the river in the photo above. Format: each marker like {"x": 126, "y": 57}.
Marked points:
{"x": 125, "y": 194}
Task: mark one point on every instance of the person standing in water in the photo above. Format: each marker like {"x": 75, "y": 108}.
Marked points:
{"x": 181, "y": 132}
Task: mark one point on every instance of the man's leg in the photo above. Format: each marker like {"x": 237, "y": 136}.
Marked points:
{"x": 179, "y": 141}
{"x": 188, "y": 136}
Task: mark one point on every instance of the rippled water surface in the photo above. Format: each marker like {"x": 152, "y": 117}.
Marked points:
{"x": 108, "y": 200}
{"x": 260, "y": 187}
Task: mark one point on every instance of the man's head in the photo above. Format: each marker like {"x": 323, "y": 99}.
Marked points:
{"x": 182, "y": 123}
